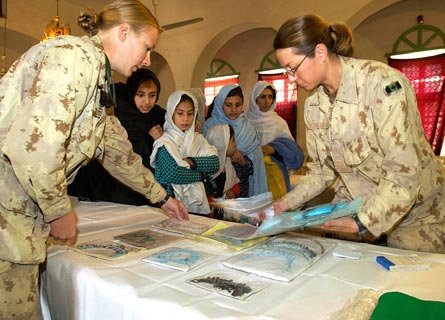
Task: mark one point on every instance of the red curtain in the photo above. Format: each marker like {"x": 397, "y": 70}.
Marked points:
{"x": 212, "y": 87}
{"x": 286, "y": 98}
{"x": 427, "y": 76}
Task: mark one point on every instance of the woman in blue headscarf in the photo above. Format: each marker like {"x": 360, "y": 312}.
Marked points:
{"x": 228, "y": 109}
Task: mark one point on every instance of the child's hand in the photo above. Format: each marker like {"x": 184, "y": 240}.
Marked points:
{"x": 238, "y": 158}
{"x": 156, "y": 132}
{"x": 267, "y": 150}
{"x": 230, "y": 194}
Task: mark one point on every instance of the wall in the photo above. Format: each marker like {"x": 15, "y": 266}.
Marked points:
{"x": 238, "y": 31}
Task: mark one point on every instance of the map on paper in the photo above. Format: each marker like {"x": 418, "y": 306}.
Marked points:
{"x": 182, "y": 226}
{"x": 147, "y": 238}
{"x": 105, "y": 249}
{"x": 178, "y": 258}
{"x": 280, "y": 258}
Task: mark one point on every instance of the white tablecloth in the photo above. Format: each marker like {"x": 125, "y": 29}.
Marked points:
{"x": 76, "y": 286}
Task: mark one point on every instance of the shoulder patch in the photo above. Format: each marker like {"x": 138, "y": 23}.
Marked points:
{"x": 392, "y": 87}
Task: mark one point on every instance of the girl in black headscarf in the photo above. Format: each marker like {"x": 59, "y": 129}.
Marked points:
{"x": 143, "y": 119}
{"x": 138, "y": 112}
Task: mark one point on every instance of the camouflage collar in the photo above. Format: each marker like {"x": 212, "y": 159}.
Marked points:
{"x": 347, "y": 90}
{"x": 97, "y": 42}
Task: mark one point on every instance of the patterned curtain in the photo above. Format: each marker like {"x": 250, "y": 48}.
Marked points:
{"x": 212, "y": 87}
{"x": 286, "y": 98}
{"x": 427, "y": 76}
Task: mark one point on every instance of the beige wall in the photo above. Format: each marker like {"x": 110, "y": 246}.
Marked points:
{"x": 238, "y": 31}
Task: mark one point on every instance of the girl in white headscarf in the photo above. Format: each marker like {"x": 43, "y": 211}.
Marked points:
{"x": 223, "y": 138}
{"x": 182, "y": 158}
{"x": 280, "y": 150}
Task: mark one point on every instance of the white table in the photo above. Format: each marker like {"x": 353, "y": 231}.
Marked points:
{"x": 75, "y": 286}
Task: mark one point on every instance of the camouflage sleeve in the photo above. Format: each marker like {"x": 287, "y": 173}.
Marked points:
{"x": 319, "y": 176}
{"x": 396, "y": 123}
{"x": 36, "y": 140}
{"x": 125, "y": 165}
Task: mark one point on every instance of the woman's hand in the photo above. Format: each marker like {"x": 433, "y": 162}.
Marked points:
{"x": 344, "y": 224}
{"x": 238, "y": 158}
{"x": 156, "y": 132}
{"x": 267, "y": 150}
{"x": 280, "y": 205}
{"x": 65, "y": 227}
{"x": 175, "y": 209}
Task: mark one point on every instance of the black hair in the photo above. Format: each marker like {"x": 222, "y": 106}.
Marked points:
{"x": 237, "y": 91}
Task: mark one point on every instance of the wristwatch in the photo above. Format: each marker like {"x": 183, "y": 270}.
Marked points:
{"x": 163, "y": 201}
{"x": 361, "y": 228}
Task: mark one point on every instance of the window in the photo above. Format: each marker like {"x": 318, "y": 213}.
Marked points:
{"x": 213, "y": 85}
{"x": 427, "y": 76}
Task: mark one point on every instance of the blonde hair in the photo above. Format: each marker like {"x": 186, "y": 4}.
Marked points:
{"x": 133, "y": 12}
{"x": 305, "y": 32}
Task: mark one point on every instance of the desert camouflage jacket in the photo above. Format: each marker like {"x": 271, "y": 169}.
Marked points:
{"x": 370, "y": 141}
{"x": 51, "y": 122}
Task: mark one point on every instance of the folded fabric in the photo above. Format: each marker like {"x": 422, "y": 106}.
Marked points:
{"x": 397, "y": 305}
{"x": 291, "y": 152}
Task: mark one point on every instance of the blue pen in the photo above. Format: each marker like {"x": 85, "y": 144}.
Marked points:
{"x": 384, "y": 262}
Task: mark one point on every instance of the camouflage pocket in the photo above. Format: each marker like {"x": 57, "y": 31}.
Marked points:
{"x": 4, "y": 266}
{"x": 359, "y": 154}
{"x": 12, "y": 196}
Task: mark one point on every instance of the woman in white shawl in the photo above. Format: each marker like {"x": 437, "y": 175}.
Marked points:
{"x": 280, "y": 150}
{"x": 182, "y": 158}
{"x": 228, "y": 109}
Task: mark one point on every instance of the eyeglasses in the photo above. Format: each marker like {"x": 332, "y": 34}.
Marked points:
{"x": 293, "y": 71}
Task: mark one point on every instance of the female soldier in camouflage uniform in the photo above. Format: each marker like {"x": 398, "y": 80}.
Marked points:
{"x": 52, "y": 120}
{"x": 364, "y": 131}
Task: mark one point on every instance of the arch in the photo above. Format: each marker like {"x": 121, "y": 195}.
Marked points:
{"x": 217, "y": 67}
{"x": 418, "y": 38}
{"x": 16, "y": 44}
{"x": 207, "y": 55}
{"x": 269, "y": 62}
{"x": 368, "y": 10}
{"x": 161, "y": 67}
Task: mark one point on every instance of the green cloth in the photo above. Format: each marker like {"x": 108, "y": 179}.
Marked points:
{"x": 400, "y": 306}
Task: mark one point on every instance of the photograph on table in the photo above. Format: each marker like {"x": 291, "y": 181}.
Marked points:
{"x": 147, "y": 238}
{"x": 237, "y": 231}
{"x": 225, "y": 243}
{"x": 106, "y": 249}
{"x": 182, "y": 226}
{"x": 281, "y": 258}
{"x": 177, "y": 258}
{"x": 229, "y": 283}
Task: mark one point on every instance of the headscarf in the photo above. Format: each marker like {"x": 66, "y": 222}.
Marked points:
{"x": 268, "y": 124}
{"x": 182, "y": 144}
{"x": 219, "y": 136}
{"x": 246, "y": 138}
{"x": 199, "y": 96}
{"x": 135, "y": 122}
